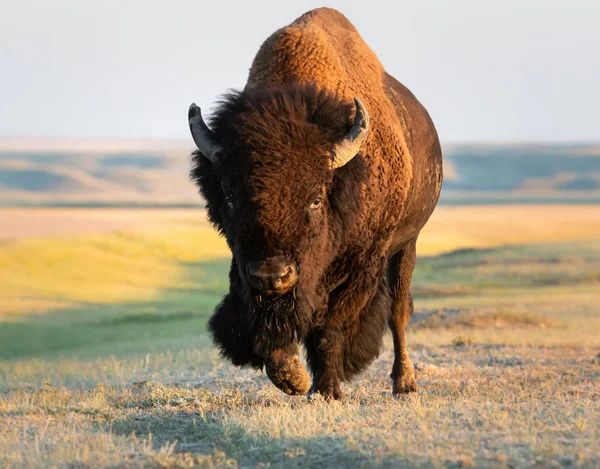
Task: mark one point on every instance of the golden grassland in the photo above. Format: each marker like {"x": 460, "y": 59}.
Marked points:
{"x": 55, "y": 258}
{"x": 105, "y": 362}
{"x": 483, "y": 226}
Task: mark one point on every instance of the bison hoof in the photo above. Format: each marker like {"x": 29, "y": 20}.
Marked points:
{"x": 404, "y": 387}
{"x": 330, "y": 390}
{"x": 289, "y": 375}
{"x": 405, "y": 383}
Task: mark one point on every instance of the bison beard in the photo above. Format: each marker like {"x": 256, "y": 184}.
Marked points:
{"x": 277, "y": 323}
{"x": 248, "y": 327}
{"x": 266, "y": 335}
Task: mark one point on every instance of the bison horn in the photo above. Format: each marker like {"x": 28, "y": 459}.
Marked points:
{"x": 204, "y": 138}
{"x": 350, "y": 145}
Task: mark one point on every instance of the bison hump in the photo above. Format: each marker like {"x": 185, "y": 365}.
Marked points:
{"x": 321, "y": 47}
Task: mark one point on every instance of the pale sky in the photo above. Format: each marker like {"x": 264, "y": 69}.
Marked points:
{"x": 512, "y": 70}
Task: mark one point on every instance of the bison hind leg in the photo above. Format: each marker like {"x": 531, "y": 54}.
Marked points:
{"x": 400, "y": 270}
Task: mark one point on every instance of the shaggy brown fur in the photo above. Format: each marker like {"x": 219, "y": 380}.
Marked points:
{"x": 355, "y": 253}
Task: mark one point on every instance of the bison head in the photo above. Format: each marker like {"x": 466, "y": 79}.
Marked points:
{"x": 274, "y": 173}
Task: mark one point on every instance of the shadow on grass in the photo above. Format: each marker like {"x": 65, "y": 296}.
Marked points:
{"x": 189, "y": 432}
{"x": 99, "y": 329}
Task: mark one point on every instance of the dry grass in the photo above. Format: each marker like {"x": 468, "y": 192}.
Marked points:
{"x": 479, "y": 405}
{"x": 119, "y": 372}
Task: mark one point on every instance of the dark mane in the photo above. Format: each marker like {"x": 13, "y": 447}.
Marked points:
{"x": 237, "y": 110}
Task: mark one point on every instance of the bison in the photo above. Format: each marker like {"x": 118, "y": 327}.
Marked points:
{"x": 320, "y": 175}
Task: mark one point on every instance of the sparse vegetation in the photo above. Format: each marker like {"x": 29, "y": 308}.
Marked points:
{"x": 104, "y": 361}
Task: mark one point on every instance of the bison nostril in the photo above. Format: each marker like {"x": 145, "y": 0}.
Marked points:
{"x": 286, "y": 274}
{"x": 272, "y": 275}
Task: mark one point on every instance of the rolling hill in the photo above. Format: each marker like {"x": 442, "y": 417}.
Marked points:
{"x": 155, "y": 173}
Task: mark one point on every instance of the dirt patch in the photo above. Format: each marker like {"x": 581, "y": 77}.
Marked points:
{"x": 420, "y": 291}
{"x": 450, "y": 318}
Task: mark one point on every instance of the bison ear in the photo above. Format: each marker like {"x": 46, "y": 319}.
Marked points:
{"x": 204, "y": 138}
{"x": 350, "y": 145}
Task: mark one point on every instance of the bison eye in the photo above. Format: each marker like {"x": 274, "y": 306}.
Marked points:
{"x": 316, "y": 203}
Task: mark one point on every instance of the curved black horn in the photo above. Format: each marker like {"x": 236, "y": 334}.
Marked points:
{"x": 350, "y": 145}
{"x": 202, "y": 135}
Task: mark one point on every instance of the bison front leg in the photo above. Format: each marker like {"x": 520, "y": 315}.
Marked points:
{"x": 286, "y": 371}
{"x": 400, "y": 270}
{"x": 324, "y": 353}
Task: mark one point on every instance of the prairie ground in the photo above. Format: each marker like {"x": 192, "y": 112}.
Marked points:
{"x": 105, "y": 362}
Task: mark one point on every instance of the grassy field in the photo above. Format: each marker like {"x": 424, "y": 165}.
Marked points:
{"x": 105, "y": 362}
